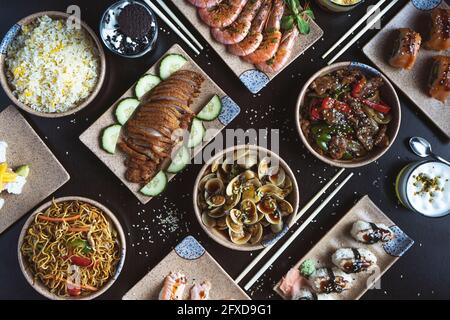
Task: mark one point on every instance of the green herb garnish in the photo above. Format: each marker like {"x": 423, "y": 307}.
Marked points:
{"x": 298, "y": 16}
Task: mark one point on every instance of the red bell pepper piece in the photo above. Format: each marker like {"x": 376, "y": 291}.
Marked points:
{"x": 314, "y": 112}
{"x": 79, "y": 261}
{"x": 357, "y": 88}
{"x": 380, "y": 107}
{"x": 330, "y": 103}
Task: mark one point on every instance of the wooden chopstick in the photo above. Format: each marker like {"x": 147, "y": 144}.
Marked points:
{"x": 355, "y": 26}
{"x": 361, "y": 33}
{"x": 295, "y": 234}
{"x": 179, "y": 23}
{"x": 172, "y": 26}
{"x": 297, "y": 217}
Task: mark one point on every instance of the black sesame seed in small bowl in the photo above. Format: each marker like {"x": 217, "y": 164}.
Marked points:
{"x": 129, "y": 28}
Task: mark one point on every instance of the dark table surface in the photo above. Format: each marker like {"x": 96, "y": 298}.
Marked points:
{"x": 422, "y": 273}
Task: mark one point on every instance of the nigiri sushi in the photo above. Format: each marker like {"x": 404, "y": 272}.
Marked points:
{"x": 327, "y": 280}
{"x": 201, "y": 291}
{"x": 173, "y": 287}
{"x": 353, "y": 260}
{"x": 406, "y": 49}
{"x": 440, "y": 30}
{"x": 368, "y": 232}
{"x": 440, "y": 78}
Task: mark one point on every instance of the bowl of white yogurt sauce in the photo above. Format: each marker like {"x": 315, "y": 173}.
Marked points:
{"x": 424, "y": 187}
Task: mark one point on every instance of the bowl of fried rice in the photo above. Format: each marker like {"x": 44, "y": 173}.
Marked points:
{"x": 52, "y": 64}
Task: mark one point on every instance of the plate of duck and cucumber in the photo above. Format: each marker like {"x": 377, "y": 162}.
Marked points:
{"x": 348, "y": 114}
{"x": 154, "y": 130}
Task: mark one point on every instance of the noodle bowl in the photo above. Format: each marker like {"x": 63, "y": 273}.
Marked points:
{"x": 72, "y": 248}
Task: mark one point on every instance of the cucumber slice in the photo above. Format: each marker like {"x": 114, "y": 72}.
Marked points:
{"x": 110, "y": 137}
{"x": 145, "y": 84}
{"x": 125, "y": 109}
{"x": 156, "y": 186}
{"x": 171, "y": 64}
{"x": 180, "y": 160}
{"x": 212, "y": 110}
{"x": 23, "y": 171}
{"x": 197, "y": 133}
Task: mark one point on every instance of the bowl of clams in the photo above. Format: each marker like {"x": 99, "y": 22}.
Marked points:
{"x": 246, "y": 197}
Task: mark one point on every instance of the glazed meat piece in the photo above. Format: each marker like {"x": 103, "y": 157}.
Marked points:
{"x": 323, "y": 84}
{"x": 440, "y": 30}
{"x": 147, "y": 139}
{"x": 371, "y": 87}
{"x": 440, "y": 78}
{"x": 406, "y": 49}
{"x": 381, "y": 139}
{"x": 337, "y": 147}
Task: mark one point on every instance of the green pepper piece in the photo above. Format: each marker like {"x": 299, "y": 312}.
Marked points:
{"x": 347, "y": 156}
{"x": 83, "y": 244}
{"x": 322, "y": 140}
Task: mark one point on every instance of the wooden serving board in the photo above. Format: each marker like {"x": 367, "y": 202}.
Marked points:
{"x": 26, "y": 148}
{"x": 252, "y": 78}
{"x": 413, "y": 83}
{"x": 191, "y": 259}
{"x": 116, "y": 162}
{"x": 339, "y": 237}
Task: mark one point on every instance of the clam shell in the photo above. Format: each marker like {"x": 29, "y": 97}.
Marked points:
{"x": 278, "y": 178}
{"x": 267, "y": 205}
{"x": 236, "y": 228}
{"x": 217, "y": 212}
{"x": 216, "y": 200}
{"x": 214, "y": 186}
{"x": 249, "y": 211}
{"x": 236, "y": 216}
{"x": 239, "y": 238}
{"x": 257, "y": 231}
{"x": 201, "y": 184}
{"x": 221, "y": 223}
{"x": 208, "y": 221}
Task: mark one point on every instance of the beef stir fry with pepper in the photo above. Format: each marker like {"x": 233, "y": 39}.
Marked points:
{"x": 344, "y": 116}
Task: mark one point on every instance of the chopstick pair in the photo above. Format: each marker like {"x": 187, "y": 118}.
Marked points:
{"x": 368, "y": 26}
{"x": 280, "y": 251}
{"x": 195, "y": 45}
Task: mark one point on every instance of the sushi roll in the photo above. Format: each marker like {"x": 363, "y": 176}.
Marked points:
{"x": 353, "y": 260}
{"x": 327, "y": 280}
{"x": 406, "y": 49}
{"x": 201, "y": 291}
{"x": 440, "y": 78}
{"x": 370, "y": 233}
{"x": 173, "y": 287}
{"x": 440, "y": 30}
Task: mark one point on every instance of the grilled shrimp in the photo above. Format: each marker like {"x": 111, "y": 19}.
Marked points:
{"x": 272, "y": 36}
{"x": 222, "y": 15}
{"x": 277, "y": 62}
{"x": 254, "y": 38}
{"x": 239, "y": 29}
{"x": 205, "y": 3}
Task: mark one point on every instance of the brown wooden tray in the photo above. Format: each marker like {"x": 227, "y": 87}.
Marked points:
{"x": 339, "y": 237}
